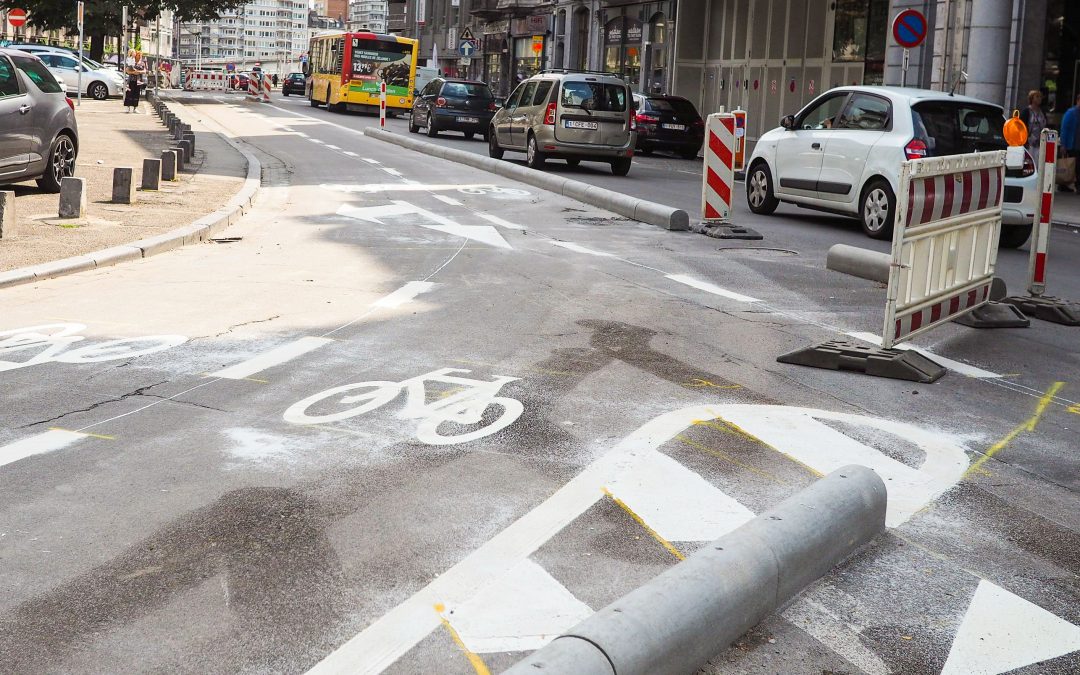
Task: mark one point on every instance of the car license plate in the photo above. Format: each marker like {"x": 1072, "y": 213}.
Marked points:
{"x": 674, "y": 127}
{"x": 574, "y": 124}
{"x": 469, "y": 120}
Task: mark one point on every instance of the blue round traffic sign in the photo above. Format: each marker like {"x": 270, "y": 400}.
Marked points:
{"x": 909, "y": 28}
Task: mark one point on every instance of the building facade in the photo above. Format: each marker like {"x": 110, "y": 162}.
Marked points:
{"x": 269, "y": 33}
{"x": 368, "y": 15}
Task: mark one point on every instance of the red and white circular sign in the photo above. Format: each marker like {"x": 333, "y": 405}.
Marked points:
{"x": 17, "y": 17}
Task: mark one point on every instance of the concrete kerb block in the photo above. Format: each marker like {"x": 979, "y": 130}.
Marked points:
{"x": 665, "y": 216}
{"x": 575, "y": 189}
{"x": 859, "y": 262}
{"x": 168, "y": 165}
{"x": 159, "y": 244}
{"x": 151, "y": 174}
{"x": 189, "y": 150}
{"x": 181, "y": 157}
{"x": 190, "y": 137}
{"x": 16, "y": 277}
{"x": 58, "y": 268}
{"x": 114, "y": 255}
{"x": 609, "y": 200}
{"x": 7, "y": 213}
{"x": 679, "y": 620}
{"x": 123, "y": 185}
{"x": 72, "y": 197}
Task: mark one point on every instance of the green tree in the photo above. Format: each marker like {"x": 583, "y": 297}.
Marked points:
{"x": 102, "y": 18}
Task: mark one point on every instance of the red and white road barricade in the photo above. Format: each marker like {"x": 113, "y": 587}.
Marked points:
{"x": 1036, "y": 304}
{"x": 945, "y": 241}
{"x": 259, "y": 88}
{"x": 206, "y": 80}
{"x": 718, "y": 178}
{"x": 382, "y": 104}
{"x": 267, "y": 85}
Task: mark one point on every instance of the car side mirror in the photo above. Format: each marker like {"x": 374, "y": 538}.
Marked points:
{"x": 788, "y": 122}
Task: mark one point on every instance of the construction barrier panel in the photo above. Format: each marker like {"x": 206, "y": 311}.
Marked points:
{"x": 1040, "y": 236}
{"x": 740, "y": 139}
{"x": 718, "y": 178}
{"x": 205, "y": 80}
{"x": 267, "y": 85}
{"x": 945, "y": 241}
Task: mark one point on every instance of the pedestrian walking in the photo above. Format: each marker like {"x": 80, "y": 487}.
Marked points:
{"x": 274, "y": 79}
{"x": 1070, "y": 144}
{"x": 135, "y": 69}
{"x": 1034, "y": 119}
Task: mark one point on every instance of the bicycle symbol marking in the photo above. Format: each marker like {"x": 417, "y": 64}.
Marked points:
{"x": 53, "y": 342}
{"x": 464, "y": 405}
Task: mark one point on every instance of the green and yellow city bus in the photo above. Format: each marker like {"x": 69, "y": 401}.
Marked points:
{"x": 345, "y": 70}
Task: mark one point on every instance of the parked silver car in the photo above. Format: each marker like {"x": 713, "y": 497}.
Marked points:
{"x": 38, "y": 135}
{"x": 98, "y": 81}
{"x": 571, "y": 115}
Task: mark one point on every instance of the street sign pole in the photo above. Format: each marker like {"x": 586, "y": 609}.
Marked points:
{"x": 909, "y": 30}
{"x": 79, "y": 12}
{"x": 904, "y": 67}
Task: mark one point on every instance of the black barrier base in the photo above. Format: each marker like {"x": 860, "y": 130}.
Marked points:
{"x": 897, "y": 364}
{"x": 994, "y": 315}
{"x": 1054, "y": 310}
{"x": 725, "y": 231}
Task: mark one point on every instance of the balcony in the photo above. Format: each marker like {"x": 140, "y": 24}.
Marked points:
{"x": 499, "y": 9}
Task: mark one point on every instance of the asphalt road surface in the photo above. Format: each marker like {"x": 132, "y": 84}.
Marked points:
{"x": 411, "y": 417}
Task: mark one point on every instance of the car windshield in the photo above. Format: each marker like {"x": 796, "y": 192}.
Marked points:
{"x": 594, "y": 96}
{"x": 678, "y": 106}
{"x": 463, "y": 90}
{"x": 950, "y": 128}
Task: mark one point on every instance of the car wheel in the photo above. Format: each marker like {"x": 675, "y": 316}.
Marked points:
{"x": 469, "y": 135}
{"x": 621, "y": 167}
{"x": 534, "y": 159}
{"x": 573, "y": 162}
{"x": 413, "y": 128}
{"x": 1014, "y": 236}
{"x": 878, "y": 208}
{"x": 432, "y": 132}
{"x": 645, "y": 150}
{"x": 312, "y": 101}
{"x": 98, "y": 91}
{"x": 61, "y": 164}
{"x": 495, "y": 151}
{"x": 759, "y": 192}
{"x": 688, "y": 154}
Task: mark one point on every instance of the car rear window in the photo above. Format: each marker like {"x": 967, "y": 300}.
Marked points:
{"x": 950, "y": 128}
{"x": 594, "y": 96}
{"x": 9, "y": 84}
{"x": 462, "y": 90}
{"x": 38, "y": 74}
{"x": 672, "y": 105}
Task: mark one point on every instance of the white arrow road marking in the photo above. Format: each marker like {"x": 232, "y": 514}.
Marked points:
{"x": 485, "y": 234}
{"x": 449, "y": 200}
{"x": 710, "y": 288}
{"x": 368, "y": 188}
{"x": 540, "y": 609}
{"x": 801, "y": 436}
{"x": 499, "y": 221}
{"x": 404, "y": 295}
{"x": 1002, "y": 632}
{"x": 274, "y": 357}
{"x": 577, "y": 248}
{"x": 50, "y": 441}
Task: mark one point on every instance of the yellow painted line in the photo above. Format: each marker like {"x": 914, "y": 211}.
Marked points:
{"x": 477, "y": 663}
{"x": 728, "y": 458}
{"x": 653, "y": 533}
{"x": 1027, "y": 425}
{"x": 697, "y": 383}
{"x": 730, "y": 428}
{"x": 1074, "y": 409}
{"x": 107, "y": 438}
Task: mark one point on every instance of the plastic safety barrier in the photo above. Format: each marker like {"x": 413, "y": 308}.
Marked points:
{"x": 206, "y": 81}
{"x": 945, "y": 241}
{"x": 718, "y": 178}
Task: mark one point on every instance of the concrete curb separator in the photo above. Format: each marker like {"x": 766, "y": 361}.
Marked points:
{"x": 200, "y": 230}
{"x": 859, "y": 262}
{"x": 675, "y": 623}
{"x": 638, "y": 209}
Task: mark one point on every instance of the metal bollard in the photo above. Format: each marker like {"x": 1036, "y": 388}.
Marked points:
{"x": 151, "y": 174}
{"x": 168, "y": 165}
{"x": 72, "y": 197}
{"x": 7, "y": 214}
{"x": 123, "y": 185}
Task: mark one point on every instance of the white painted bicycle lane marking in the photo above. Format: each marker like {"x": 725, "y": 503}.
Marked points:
{"x": 799, "y": 434}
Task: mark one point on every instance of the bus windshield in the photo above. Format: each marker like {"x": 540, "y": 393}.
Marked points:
{"x": 375, "y": 60}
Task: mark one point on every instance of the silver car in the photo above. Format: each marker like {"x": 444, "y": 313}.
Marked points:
{"x": 570, "y": 115}
{"x": 38, "y": 135}
{"x": 98, "y": 81}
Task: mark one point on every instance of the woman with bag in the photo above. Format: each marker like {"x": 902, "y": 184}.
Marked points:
{"x": 1034, "y": 119}
{"x": 135, "y": 69}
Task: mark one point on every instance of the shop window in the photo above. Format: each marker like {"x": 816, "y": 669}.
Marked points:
{"x": 860, "y": 30}
{"x": 622, "y": 48}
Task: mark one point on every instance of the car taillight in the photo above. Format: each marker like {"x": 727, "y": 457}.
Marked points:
{"x": 491, "y": 107}
{"x": 440, "y": 102}
{"x": 916, "y": 149}
{"x": 71, "y": 104}
{"x": 1029, "y": 165}
{"x": 642, "y": 118}
{"x": 699, "y": 122}
{"x": 549, "y": 116}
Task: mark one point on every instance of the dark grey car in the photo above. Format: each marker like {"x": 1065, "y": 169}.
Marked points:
{"x": 38, "y": 135}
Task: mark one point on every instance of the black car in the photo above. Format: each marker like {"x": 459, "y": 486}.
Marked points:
{"x": 453, "y": 105}
{"x": 294, "y": 83}
{"x": 668, "y": 123}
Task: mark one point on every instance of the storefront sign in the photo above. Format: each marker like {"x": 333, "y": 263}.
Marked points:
{"x": 623, "y": 30}
{"x": 536, "y": 24}
{"x": 538, "y": 44}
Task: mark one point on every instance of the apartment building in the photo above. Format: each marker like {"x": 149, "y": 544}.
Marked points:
{"x": 269, "y": 33}
{"x": 368, "y": 15}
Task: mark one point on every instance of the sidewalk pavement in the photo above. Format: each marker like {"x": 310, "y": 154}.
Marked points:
{"x": 1067, "y": 208}
{"x": 109, "y": 138}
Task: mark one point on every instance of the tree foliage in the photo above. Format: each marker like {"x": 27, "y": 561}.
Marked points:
{"x": 103, "y": 17}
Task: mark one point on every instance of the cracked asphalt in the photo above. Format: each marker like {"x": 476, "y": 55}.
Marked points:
{"x": 304, "y": 450}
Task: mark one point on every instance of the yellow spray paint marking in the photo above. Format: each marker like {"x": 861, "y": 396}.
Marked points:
{"x": 728, "y": 458}
{"x": 477, "y": 663}
{"x": 724, "y": 425}
{"x": 1075, "y": 408}
{"x": 697, "y": 383}
{"x": 1028, "y": 425}
{"x": 107, "y": 438}
{"x": 653, "y": 533}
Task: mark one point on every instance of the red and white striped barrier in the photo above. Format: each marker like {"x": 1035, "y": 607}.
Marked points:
{"x": 1040, "y": 236}
{"x": 382, "y": 104}
{"x": 719, "y": 176}
{"x": 259, "y": 88}
{"x": 945, "y": 241}
{"x": 267, "y": 85}
{"x": 206, "y": 81}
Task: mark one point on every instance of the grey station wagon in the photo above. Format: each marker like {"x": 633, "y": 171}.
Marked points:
{"x": 570, "y": 115}
{"x": 38, "y": 135}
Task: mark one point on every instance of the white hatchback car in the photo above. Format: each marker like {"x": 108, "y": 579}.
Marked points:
{"x": 98, "y": 82}
{"x": 842, "y": 154}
